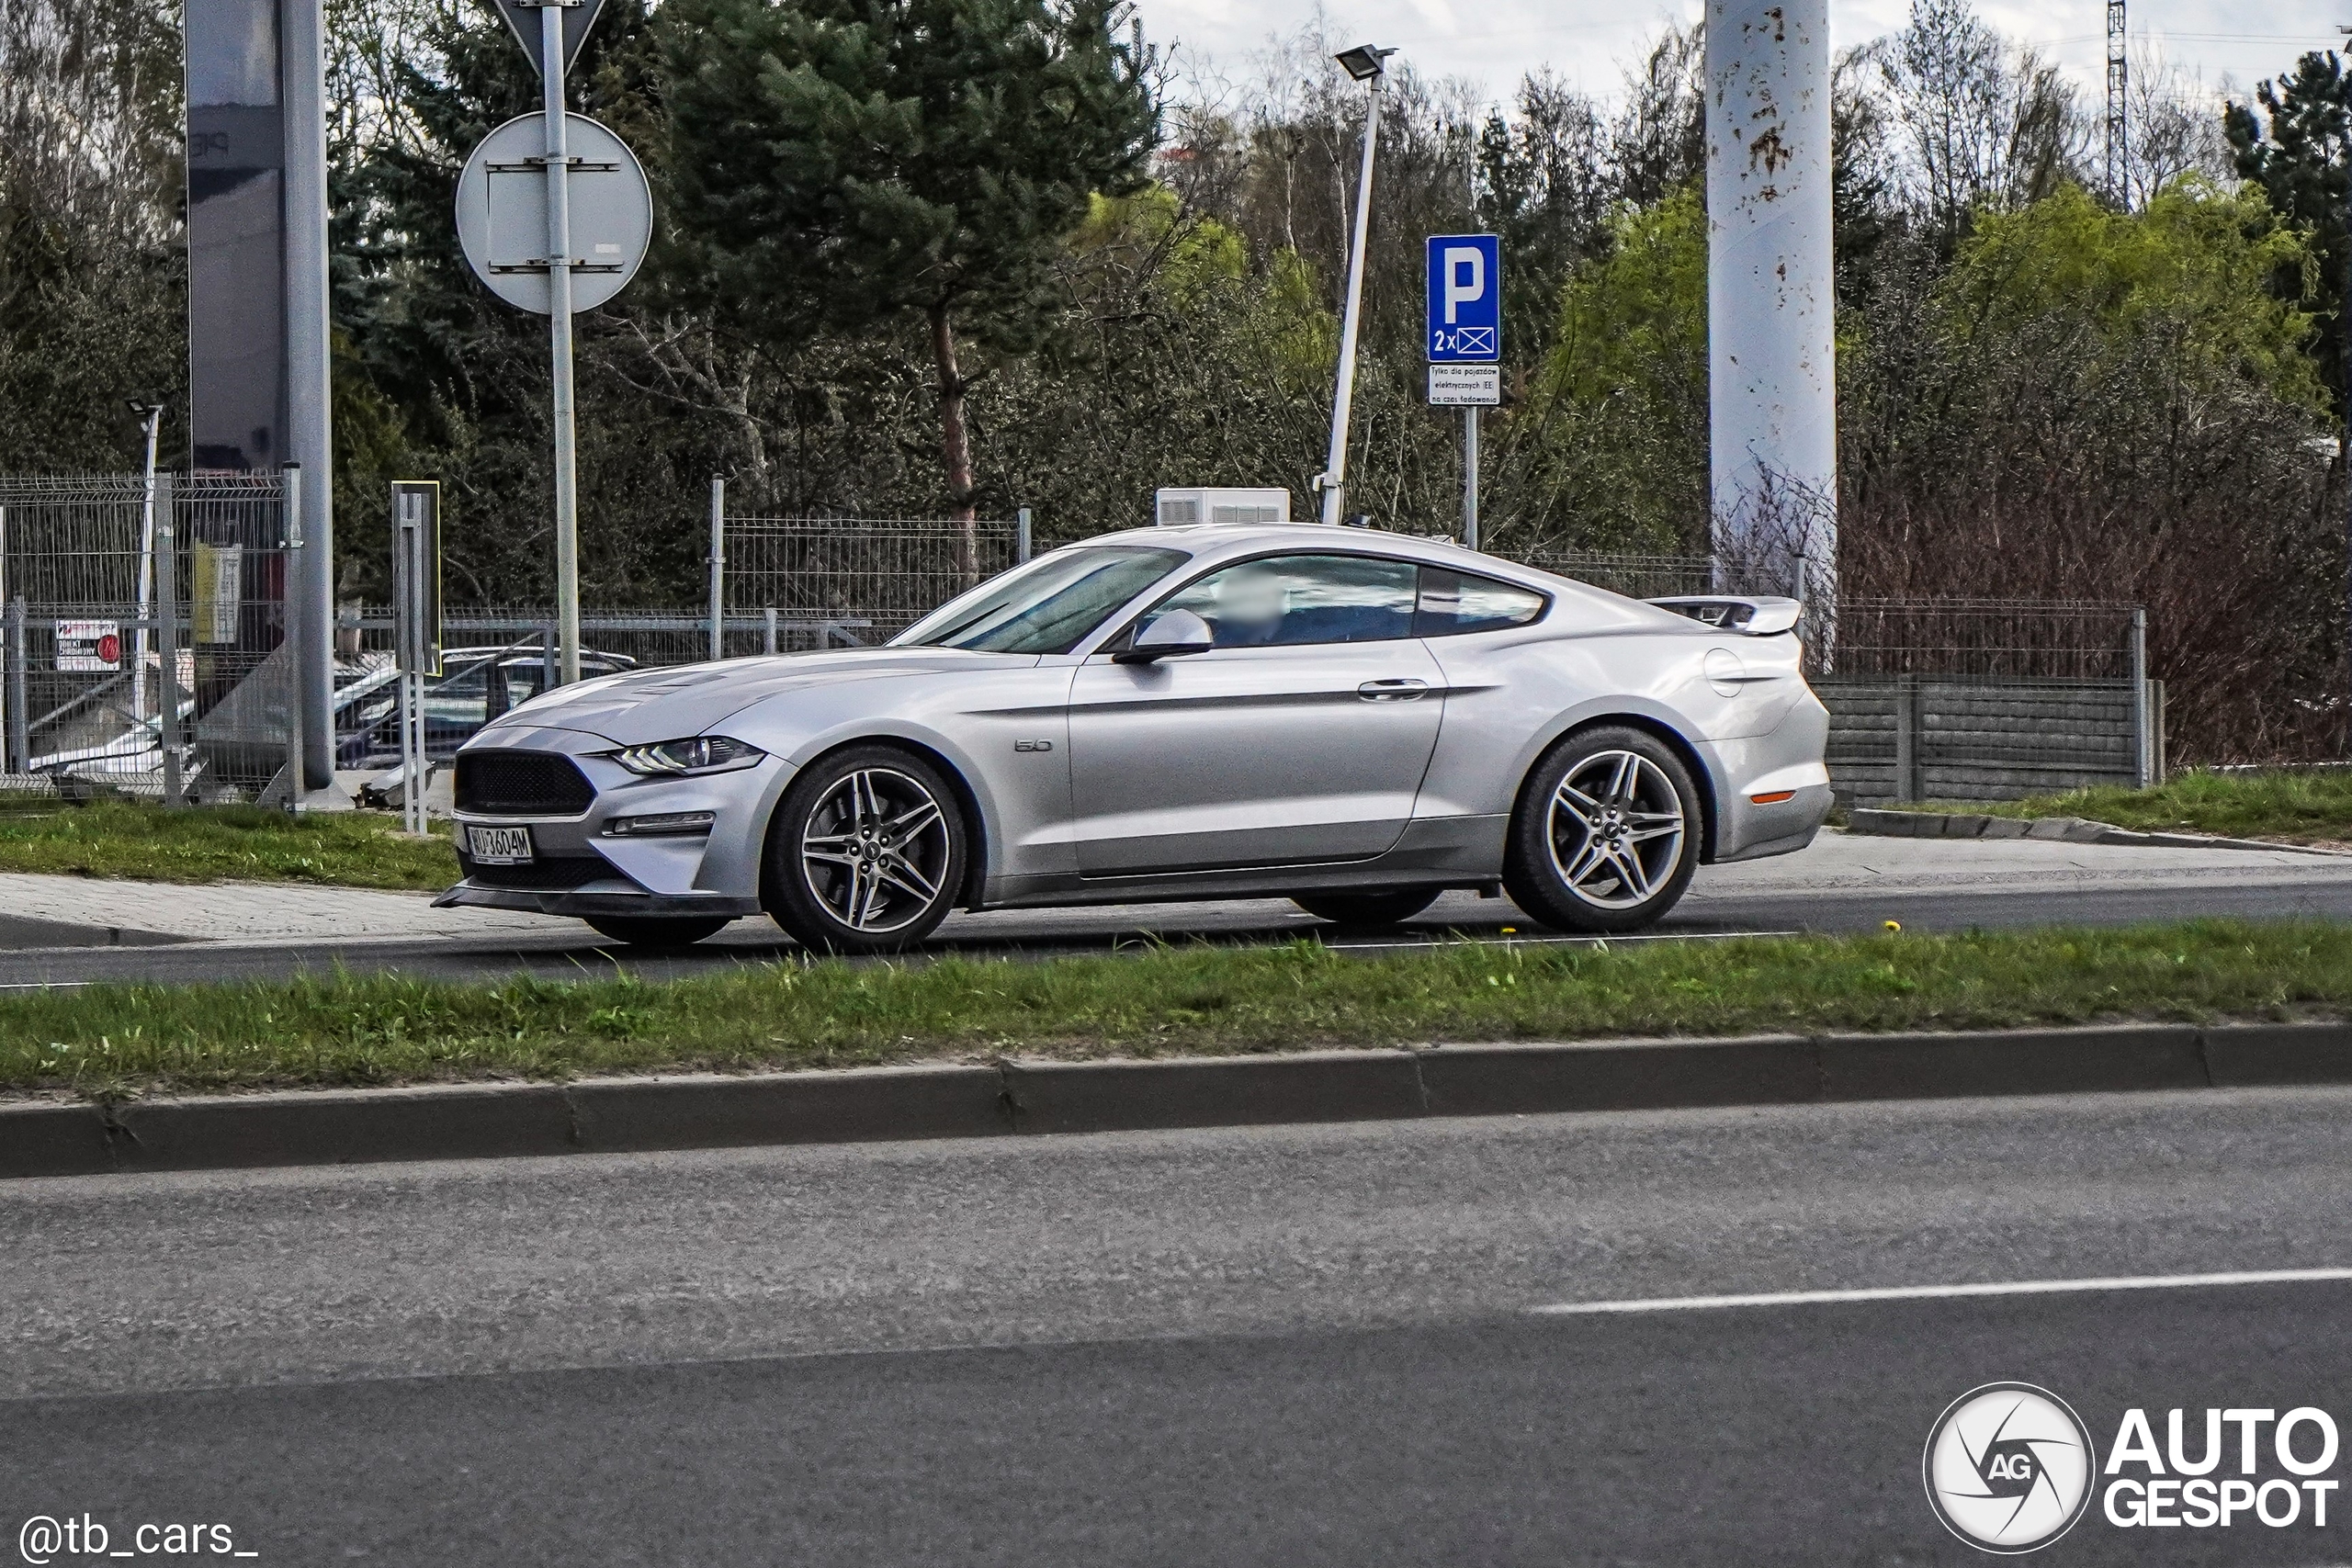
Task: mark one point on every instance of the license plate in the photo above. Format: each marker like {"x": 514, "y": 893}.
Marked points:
{"x": 499, "y": 846}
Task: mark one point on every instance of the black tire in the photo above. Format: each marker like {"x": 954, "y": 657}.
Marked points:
{"x": 1367, "y": 911}
{"x": 851, "y": 851}
{"x": 658, "y": 930}
{"x": 1606, "y": 834}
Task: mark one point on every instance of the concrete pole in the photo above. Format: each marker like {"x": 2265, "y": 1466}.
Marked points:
{"x": 1332, "y": 481}
{"x": 1771, "y": 296}
{"x": 310, "y": 383}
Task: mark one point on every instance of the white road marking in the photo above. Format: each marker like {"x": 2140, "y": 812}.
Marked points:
{"x": 42, "y": 984}
{"x": 1944, "y": 1292}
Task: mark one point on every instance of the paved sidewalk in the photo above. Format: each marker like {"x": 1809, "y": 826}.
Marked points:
{"x": 1838, "y": 860}
{"x": 249, "y": 911}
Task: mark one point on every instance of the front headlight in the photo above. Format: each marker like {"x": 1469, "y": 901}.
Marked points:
{"x": 701, "y": 754}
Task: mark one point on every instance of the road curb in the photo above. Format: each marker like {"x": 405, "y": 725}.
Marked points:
{"x": 1034, "y": 1097}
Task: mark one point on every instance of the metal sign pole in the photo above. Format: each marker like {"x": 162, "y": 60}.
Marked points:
{"x": 567, "y": 471}
{"x": 167, "y": 636}
{"x": 404, "y": 641}
{"x": 717, "y": 568}
{"x": 1470, "y": 478}
{"x": 290, "y": 503}
{"x": 146, "y": 574}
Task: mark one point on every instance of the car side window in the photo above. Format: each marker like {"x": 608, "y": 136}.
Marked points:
{"x": 1452, "y": 603}
{"x": 1287, "y": 601}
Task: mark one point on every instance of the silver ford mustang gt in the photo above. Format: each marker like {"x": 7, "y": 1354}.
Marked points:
{"x": 1352, "y": 720}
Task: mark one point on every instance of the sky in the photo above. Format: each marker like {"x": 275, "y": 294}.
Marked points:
{"x": 1491, "y": 43}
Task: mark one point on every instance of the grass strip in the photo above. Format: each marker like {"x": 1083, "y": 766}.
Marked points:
{"x": 221, "y": 843}
{"x": 2311, "y": 806}
{"x": 108, "y": 1041}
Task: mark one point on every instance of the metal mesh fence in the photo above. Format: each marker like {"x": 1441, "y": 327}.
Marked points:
{"x": 1636, "y": 577}
{"x": 496, "y": 656}
{"x": 102, "y": 595}
{"x": 888, "y": 572}
{"x": 84, "y": 644}
{"x": 1989, "y": 640}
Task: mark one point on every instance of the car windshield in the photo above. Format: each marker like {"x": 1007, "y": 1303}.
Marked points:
{"x": 1046, "y": 606}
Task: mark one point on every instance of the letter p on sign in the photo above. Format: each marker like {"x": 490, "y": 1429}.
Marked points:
{"x": 1466, "y": 278}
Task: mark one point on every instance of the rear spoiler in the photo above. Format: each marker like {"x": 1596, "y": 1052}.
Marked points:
{"x": 1760, "y": 616}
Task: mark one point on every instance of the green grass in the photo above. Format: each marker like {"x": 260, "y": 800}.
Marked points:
{"x": 111, "y": 1040}
{"x": 220, "y": 844}
{"x": 2303, "y": 807}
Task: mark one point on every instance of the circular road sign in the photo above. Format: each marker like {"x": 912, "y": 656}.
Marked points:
{"x": 503, "y": 212}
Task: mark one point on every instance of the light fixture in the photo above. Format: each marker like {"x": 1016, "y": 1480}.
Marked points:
{"x": 696, "y": 754}
{"x": 1364, "y": 61}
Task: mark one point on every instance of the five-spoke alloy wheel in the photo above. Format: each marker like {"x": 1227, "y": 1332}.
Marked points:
{"x": 867, "y": 853}
{"x": 1606, "y": 834}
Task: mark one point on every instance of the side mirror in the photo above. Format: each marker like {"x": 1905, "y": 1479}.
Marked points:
{"x": 1178, "y": 631}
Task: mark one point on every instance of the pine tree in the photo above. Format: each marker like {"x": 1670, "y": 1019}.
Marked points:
{"x": 845, "y": 162}
{"x": 2292, "y": 145}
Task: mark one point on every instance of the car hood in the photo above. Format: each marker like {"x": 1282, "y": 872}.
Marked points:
{"x": 646, "y": 705}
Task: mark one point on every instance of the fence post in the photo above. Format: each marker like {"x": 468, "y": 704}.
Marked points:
{"x": 717, "y": 568}
{"x": 10, "y": 658}
{"x": 289, "y": 503}
{"x": 770, "y": 644}
{"x": 1021, "y": 538}
{"x": 20, "y": 747}
{"x": 1906, "y": 737}
{"x": 167, "y": 634}
{"x": 2143, "y": 749}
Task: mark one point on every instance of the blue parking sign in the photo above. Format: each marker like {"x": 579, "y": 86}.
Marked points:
{"x": 1465, "y": 295}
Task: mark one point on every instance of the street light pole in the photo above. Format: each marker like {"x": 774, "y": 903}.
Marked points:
{"x": 2343, "y": 378}
{"x": 1366, "y": 65}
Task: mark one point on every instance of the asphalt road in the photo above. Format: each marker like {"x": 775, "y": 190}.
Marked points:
{"x": 1294, "y": 1346}
{"x": 1841, "y": 884}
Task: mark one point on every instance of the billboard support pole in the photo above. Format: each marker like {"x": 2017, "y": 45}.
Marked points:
{"x": 310, "y": 378}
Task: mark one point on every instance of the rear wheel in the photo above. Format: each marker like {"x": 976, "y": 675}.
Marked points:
{"x": 1367, "y": 911}
{"x": 1606, "y": 835}
{"x": 658, "y": 930}
{"x": 867, "y": 853}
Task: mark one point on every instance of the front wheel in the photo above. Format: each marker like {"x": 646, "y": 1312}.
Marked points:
{"x": 1606, "y": 834}
{"x": 867, "y": 853}
{"x": 658, "y": 930}
{"x": 1366, "y": 911}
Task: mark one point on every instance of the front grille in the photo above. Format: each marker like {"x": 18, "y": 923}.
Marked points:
{"x": 522, "y": 783}
{"x": 546, "y": 874}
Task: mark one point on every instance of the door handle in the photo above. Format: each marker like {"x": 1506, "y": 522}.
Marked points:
{"x": 1404, "y": 688}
